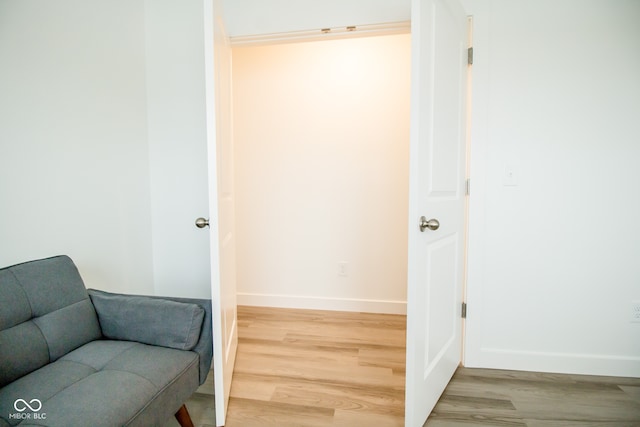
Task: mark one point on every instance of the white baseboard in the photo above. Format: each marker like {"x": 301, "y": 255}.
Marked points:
{"x": 323, "y": 303}
{"x": 564, "y": 363}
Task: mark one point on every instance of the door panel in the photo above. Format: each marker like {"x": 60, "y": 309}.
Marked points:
{"x": 221, "y": 205}
{"x": 441, "y": 268}
{"x": 177, "y": 148}
{"x": 437, "y": 177}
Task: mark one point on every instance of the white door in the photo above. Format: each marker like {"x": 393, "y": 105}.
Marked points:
{"x": 221, "y": 204}
{"x": 436, "y": 185}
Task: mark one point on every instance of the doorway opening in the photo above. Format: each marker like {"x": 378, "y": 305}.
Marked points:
{"x": 436, "y": 184}
{"x": 321, "y": 158}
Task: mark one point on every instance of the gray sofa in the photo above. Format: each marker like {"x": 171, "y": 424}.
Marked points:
{"x": 72, "y": 357}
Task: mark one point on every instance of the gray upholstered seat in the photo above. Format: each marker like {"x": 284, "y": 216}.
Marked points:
{"x": 57, "y": 357}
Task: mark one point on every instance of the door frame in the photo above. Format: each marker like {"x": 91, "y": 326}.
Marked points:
{"x": 467, "y": 209}
{"x": 398, "y": 28}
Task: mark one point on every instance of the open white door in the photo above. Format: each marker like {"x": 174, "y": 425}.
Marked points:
{"x": 221, "y": 203}
{"x": 436, "y": 182}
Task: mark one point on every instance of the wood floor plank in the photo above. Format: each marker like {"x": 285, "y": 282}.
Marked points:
{"x": 202, "y": 407}
{"x": 551, "y": 396}
{"x": 336, "y": 373}
{"x": 312, "y": 359}
{"x": 346, "y": 418}
{"x": 393, "y": 357}
{"x": 320, "y": 368}
{"x": 381, "y": 401}
{"x": 588, "y": 406}
{"x": 258, "y": 413}
{"x": 296, "y": 352}
{"x": 632, "y": 391}
{"x": 539, "y": 399}
{"x": 452, "y": 419}
{"x": 468, "y": 410}
{"x": 250, "y": 386}
{"x": 583, "y": 423}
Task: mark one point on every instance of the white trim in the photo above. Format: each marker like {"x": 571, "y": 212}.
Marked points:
{"x": 323, "y": 303}
{"x": 316, "y": 35}
{"x": 564, "y": 363}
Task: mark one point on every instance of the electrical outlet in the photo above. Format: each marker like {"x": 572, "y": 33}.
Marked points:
{"x": 635, "y": 311}
{"x": 342, "y": 269}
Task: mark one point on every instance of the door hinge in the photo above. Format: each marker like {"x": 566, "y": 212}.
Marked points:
{"x": 470, "y": 56}
{"x": 464, "y": 310}
{"x": 467, "y": 186}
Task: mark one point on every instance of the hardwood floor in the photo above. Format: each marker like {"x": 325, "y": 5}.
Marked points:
{"x": 323, "y": 368}
{"x": 486, "y": 397}
{"x": 317, "y": 368}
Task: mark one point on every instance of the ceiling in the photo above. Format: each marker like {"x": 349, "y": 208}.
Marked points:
{"x": 254, "y": 17}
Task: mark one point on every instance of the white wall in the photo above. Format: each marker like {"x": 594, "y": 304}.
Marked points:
{"x": 553, "y": 261}
{"x": 102, "y": 141}
{"x": 177, "y": 146}
{"x": 74, "y": 174}
{"x": 321, "y": 135}
{"x": 250, "y": 17}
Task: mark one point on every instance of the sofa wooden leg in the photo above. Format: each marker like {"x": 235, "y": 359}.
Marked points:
{"x": 183, "y": 417}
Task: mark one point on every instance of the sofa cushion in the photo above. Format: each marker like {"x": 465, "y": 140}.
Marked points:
{"x": 15, "y": 305}
{"x": 22, "y": 350}
{"x": 148, "y": 320}
{"x": 48, "y": 314}
{"x": 107, "y": 383}
{"x": 50, "y": 283}
{"x": 68, "y": 328}
{"x": 42, "y": 384}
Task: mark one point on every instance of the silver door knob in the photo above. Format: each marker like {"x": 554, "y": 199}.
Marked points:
{"x": 202, "y": 222}
{"x": 431, "y": 224}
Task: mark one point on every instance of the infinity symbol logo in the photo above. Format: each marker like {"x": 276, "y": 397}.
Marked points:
{"x": 37, "y": 405}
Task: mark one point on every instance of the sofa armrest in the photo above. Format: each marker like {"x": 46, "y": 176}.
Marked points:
{"x": 204, "y": 346}
{"x": 180, "y": 323}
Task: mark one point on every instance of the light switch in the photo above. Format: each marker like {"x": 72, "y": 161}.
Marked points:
{"x": 510, "y": 177}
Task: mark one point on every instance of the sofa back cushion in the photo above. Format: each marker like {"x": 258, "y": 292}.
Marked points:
{"x": 45, "y": 313}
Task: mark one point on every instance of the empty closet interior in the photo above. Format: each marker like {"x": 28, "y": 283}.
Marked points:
{"x": 321, "y": 166}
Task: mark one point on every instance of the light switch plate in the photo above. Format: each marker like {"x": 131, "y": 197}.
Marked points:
{"x": 510, "y": 177}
